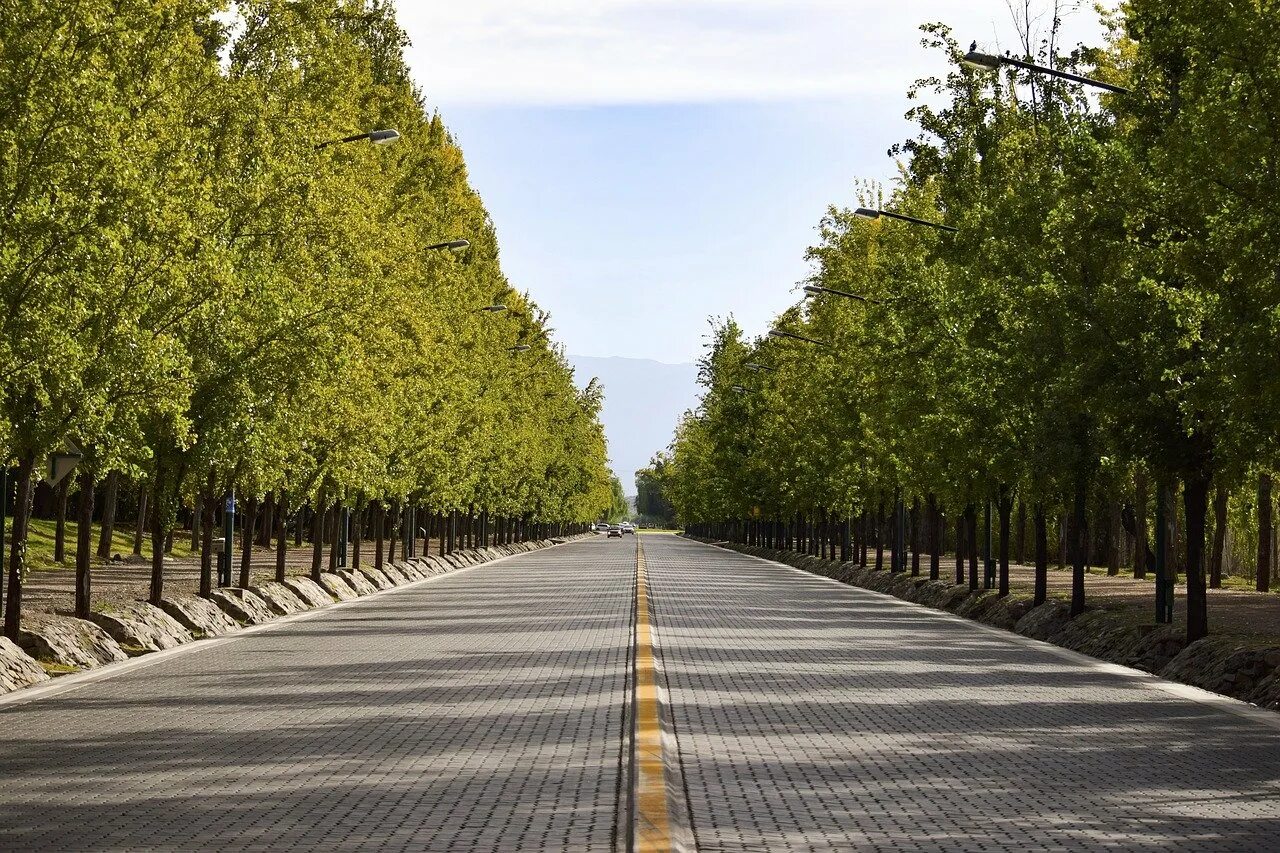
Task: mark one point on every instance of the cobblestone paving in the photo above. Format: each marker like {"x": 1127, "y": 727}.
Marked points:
{"x": 813, "y": 716}
{"x": 481, "y": 711}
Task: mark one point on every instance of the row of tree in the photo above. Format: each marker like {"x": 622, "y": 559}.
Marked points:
{"x": 213, "y": 282}
{"x": 1103, "y": 318}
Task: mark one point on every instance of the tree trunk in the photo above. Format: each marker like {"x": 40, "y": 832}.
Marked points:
{"x": 247, "y": 526}
{"x": 1021, "y": 542}
{"x": 1115, "y": 529}
{"x": 935, "y": 537}
{"x": 317, "y": 534}
{"x": 84, "y": 542}
{"x": 197, "y": 521}
{"x": 1005, "y": 507}
{"x": 60, "y": 520}
{"x": 915, "y": 537}
{"x": 140, "y": 524}
{"x": 336, "y": 537}
{"x": 379, "y": 525}
{"x": 357, "y": 533}
{"x": 394, "y": 518}
{"x": 108, "y": 527}
{"x": 282, "y": 535}
{"x": 1264, "y": 533}
{"x": 1275, "y": 550}
{"x": 1220, "y": 498}
{"x": 1064, "y": 536}
{"x": 157, "y": 537}
{"x": 879, "y": 531}
{"x": 18, "y": 545}
{"x": 1080, "y": 548}
{"x": 960, "y": 547}
{"x": 971, "y": 537}
{"x": 208, "y": 506}
{"x": 1140, "y": 546}
{"x": 1042, "y": 556}
{"x": 268, "y": 513}
{"x": 1195, "y": 500}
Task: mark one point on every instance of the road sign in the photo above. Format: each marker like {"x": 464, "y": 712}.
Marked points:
{"x": 63, "y": 463}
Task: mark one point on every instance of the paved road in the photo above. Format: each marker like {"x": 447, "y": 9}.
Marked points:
{"x": 479, "y": 711}
{"x": 486, "y": 711}
{"x": 811, "y": 715}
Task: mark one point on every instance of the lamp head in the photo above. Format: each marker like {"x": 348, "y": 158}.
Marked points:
{"x": 980, "y": 61}
{"x": 450, "y": 245}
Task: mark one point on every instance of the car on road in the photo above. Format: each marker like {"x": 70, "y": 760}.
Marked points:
{"x": 627, "y": 527}
{"x": 614, "y": 530}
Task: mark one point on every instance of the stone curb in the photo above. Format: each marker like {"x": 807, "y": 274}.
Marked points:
{"x": 67, "y": 641}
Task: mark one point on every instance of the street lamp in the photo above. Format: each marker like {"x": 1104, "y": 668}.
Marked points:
{"x": 377, "y": 137}
{"x": 778, "y": 333}
{"x": 450, "y": 245}
{"x": 519, "y": 348}
{"x": 817, "y": 290}
{"x": 990, "y": 62}
{"x": 742, "y": 389}
{"x": 495, "y": 308}
{"x": 872, "y": 213}
{"x": 756, "y": 367}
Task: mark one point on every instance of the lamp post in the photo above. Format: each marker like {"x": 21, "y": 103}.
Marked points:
{"x": 979, "y": 61}
{"x": 818, "y": 290}
{"x": 228, "y": 539}
{"x": 519, "y": 348}
{"x": 492, "y": 309}
{"x": 756, "y": 367}
{"x": 344, "y": 535}
{"x": 779, "y": 333}
{"x": 872, "y": 213}
{"x": 377, "y": 137}
{"x": 899, "y": 562}
{"x": 742, "y": 389}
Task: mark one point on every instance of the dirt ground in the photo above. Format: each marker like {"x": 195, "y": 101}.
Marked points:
{"x": 1231, "y": 611}
{"x": 53, "y": 590}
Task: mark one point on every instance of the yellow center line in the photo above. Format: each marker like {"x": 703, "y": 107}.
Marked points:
{"x": 652, "y": 827}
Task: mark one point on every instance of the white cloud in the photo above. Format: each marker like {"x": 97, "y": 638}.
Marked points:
{"x": 591, "y": 52}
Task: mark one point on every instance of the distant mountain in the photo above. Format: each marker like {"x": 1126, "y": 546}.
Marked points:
{"x": 643, "y": 401}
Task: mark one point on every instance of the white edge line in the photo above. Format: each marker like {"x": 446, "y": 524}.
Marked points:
{"x": 1146, "y": 679}
{"x": 67, "y": 683}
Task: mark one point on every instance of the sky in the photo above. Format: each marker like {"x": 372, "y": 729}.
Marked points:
{"x": 651, "y": 163}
